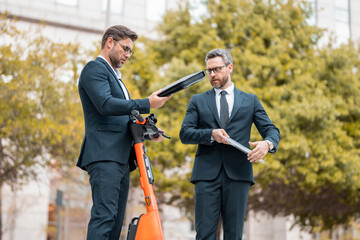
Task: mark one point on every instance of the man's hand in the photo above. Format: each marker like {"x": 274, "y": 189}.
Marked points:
{"x": 220, "y": 136}
{"x": 156, "y": 101}
{"x": 159, "y": 138}
{"x": 259, "y": 152}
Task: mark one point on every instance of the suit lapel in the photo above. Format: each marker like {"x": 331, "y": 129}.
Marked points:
{"x": 238, "y": 98}
{"x": 211, "y": 102}
{"x": 107, "y": 65}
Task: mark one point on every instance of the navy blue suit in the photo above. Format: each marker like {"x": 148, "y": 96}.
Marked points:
{"x": 225, "y": 168}
{"x": 106, "y": 146}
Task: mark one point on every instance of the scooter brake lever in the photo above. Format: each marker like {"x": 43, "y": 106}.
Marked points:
{"x": 165, "y": 136}
{"x": 156, "y": 135}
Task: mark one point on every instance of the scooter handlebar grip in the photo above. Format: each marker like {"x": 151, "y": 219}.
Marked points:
{"x": 137, "y": 115}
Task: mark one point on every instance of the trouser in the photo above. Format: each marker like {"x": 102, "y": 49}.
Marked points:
{"x": 110, "y": 186}
{"x": 221, "y": 195}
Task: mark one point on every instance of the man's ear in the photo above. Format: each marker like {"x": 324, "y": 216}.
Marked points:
{"x": 110, "y": 42}
{"x": 231, "y": 67}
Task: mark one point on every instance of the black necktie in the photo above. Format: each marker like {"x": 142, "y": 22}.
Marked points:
{"x": 224, "y": 110}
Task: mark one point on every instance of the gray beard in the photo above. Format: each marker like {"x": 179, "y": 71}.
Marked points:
{"x": 115, "y": 62}
{"x": 222, "y": 84}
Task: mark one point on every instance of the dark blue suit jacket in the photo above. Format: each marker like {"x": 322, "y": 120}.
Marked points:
{"x": 106, "y": 113}
{"x": 202, "y": 117}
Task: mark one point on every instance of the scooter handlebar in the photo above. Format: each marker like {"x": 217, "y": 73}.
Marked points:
{"x": 149, "y": 124}
{"x": 137, "y": 115}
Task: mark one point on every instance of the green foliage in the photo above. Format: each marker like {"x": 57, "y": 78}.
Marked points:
{"x": 41, "y": 118}
{"x": 310, "y": 93}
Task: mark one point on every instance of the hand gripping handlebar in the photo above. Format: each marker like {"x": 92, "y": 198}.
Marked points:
{"x": 148, "y": 124}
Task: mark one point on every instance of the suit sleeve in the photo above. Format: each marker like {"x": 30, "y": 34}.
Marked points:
{"x": 190, "y": 132}
{"x": 264, "y": 125}
{"x": 95, "y": 83}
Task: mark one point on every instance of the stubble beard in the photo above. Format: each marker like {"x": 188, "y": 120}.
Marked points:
{"x": 221, "y": 83}
{"x": 114, "y": 60}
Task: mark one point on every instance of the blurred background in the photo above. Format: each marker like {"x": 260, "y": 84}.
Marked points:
{"x": 300, "y": 57}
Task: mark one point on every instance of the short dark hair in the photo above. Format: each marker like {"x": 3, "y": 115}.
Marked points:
{"x": 118, "y": 32}
{"x": 218, "y": 52}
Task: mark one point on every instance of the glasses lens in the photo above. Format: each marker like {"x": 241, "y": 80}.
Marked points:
{"x": 218, "y": 69}
{"x": 127, "y": 49}
{"x": 215, "y": 69}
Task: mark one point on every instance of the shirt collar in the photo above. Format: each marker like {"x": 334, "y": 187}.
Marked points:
{"x": 117, "y": 72}
{"x": 229, "y": 90}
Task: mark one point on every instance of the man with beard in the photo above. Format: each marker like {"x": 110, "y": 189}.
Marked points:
{"x": 107, "y": 142}
{"x": 222, "y": 174}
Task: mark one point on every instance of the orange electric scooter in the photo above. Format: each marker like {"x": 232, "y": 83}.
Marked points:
{"x": 147, "y": 226}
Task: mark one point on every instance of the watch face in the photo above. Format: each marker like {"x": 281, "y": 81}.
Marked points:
{"x": 271, "y": 145}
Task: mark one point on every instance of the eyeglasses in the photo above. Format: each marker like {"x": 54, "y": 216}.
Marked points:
{"x": 126, "y": 48}
{"x": 215, "y": 69}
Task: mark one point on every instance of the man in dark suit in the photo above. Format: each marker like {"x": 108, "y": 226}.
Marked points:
{"x": 107, "y": 142}
{"x": 222, "y": 174}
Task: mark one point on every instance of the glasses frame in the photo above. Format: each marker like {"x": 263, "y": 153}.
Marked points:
{"x": 125, "y": 48}
{"x": 209, "y": 70}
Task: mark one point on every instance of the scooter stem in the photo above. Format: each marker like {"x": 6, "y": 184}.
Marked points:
{"x": 145, "y": 184}
{"x": 149, "y": 227}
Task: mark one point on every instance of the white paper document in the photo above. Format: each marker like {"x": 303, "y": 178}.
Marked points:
{"x": 241, "y": 147}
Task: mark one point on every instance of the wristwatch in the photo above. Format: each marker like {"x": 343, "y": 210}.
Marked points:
{"x": 271, "y": 145}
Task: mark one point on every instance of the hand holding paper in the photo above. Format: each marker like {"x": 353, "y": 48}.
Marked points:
{"x": 241, "y": 147}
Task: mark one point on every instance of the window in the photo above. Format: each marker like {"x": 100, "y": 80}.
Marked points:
{"x": 342, "y": 17}
{"x": 116, "y": 6}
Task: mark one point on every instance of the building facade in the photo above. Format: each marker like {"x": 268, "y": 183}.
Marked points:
{"x": 86, "y": 20}
{"x": 340, "y": 17}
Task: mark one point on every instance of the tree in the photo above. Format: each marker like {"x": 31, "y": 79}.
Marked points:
{"x": 41, "y": 119}
{"x": 310, "y": 92}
